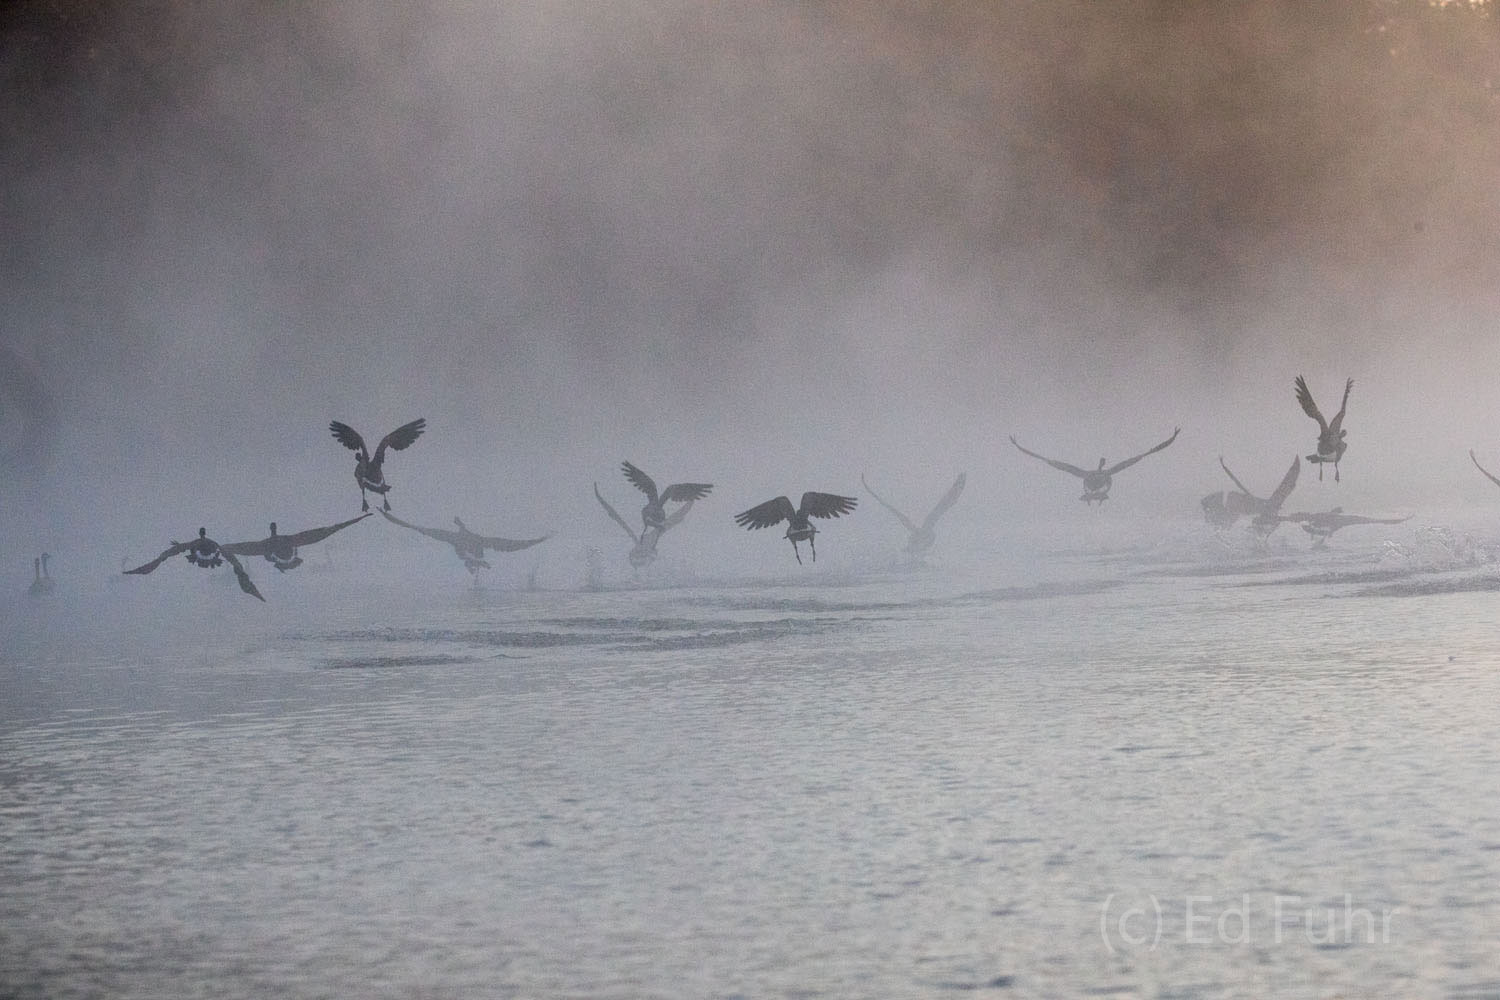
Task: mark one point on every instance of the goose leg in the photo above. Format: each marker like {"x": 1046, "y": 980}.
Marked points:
{"x": 386, "y": 502}
{"x": 812, "y": 544}
{"x": 797, "y": 552}
{"x": 1335, "y": 472}
{"x": 364, "y": 505}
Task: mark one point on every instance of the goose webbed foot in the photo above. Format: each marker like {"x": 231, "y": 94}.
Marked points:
{"x": 386, "y": 503}
{"x": 364, "y": 505}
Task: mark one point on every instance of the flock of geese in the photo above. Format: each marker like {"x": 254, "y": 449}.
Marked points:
{"x": 1222, "y": 509}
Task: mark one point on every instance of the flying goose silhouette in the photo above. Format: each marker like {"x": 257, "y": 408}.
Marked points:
{"x": 1096, "y": 482}
{"x": 1267, "y": 512}
{"x": 281, "y": 550}
{"x": 206, "y": 553}
{"x": 644, "y": 551}
{"x": 654, "y": 514}
{"x": 799, "y": 527}
{"x": 921, "y": 538}
{"x": 1322, "y": 526}
{"x": 1331, "y": 444}
{"x": 368, "y": 471}
{"x": 468, "y": 546}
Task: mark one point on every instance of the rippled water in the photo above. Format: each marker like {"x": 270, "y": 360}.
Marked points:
{"x": 1133, "y": 777}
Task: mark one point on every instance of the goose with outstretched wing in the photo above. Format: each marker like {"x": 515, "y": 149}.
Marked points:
{"x": 654, "y": 514}
{"x": 1267, "y": 511}
{"x": 643, "y": 550}
{"x": 1331, "y": 433}
{"x": 921, "y": 537}
{"x": 204, "y": 553}
{"x": 1096, "y": 482}
{"x": 281, "y": 550}
{"x": 799, "y": 524}
{"x": 467, "y": 545}
{"x": 369, "y": 470}
{"x": 1322, "y": 526}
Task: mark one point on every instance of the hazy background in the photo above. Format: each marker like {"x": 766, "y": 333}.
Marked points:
{"x": 772, "y": 247}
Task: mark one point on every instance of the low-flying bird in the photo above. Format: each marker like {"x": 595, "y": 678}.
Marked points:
{"x": 1482, "y": 469}
{"x": 654, "y": 514}
{"x": 921, "y": 538}
{"x": 42, "y": 582}
{"x": 368, "y": 470}
{"x": 799, "y": 527}
{"x": 1096, "y": 482}
{"x": 1267, "y": 512}
{"x": 1331, "y": 434}
{"x": 205, "y": 553}
{"x": 1224, "y": 508}
{"x": 468, "y": 546}
{"x": 281, "y": 550}
{"x": 1322, "y": 526}
{"x": 643, "y": 553}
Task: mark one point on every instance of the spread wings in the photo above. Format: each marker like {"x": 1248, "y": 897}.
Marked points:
{"x": 905, "y": 521}
{"x": 400, "y": 438}
{"x": 675, "y": 518}
{"x": 1284, "y": 488}
{"x": 826, "y": 505}
{"x": 639, "y": 480}
{"x": 1235, "y": 479}
{"x": 1311, "y": 408}
{"x": 1482, "y": 468}
{"x": 266, "y": 546}
{"x": 616, "y": 516}
{"x": 1149, "y": 451}
{"x": 348, "y": 437}
{"x": 177, "y": 548}
{"x": 766, "y": 514}
{"x": 246, "y": 584}
{"x": 686, "y": 491}
{"x": 1064, "y": 466}
{"x": 948, "y": 500}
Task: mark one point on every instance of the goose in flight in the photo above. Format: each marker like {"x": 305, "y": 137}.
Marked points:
{"x": 1224, "y": 508}
{"x": 644, "y": 551}
{"x": 921, "y": 538}
{"x": 1322, "y": 526}
{"x": 1481, "y": 468}
{"x": 368, "y": 470}
{"x": 799, "y": 527}
{"x": 654, "y": 514}
{"x": 281, "y": 550}
{"x": 468, "y": 546}
{"x": 1267, "y": 512}
{"x": 206, "y": 553}
{"x": 1096, "y": 482}
{"x": 1331, "y": 444}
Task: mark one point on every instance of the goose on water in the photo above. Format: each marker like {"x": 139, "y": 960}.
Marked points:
{"x": 1096, "y": 482}
{"x": 799, "y": 526}
{"x": 368, "y": 470}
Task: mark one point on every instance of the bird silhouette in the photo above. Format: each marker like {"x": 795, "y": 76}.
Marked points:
{"x": 205, "y": 553}
{"x": 369, "y": 470}
{"x": 654, "y": 514}
{"x": 1331, "y": 434}
{"x": 643, "y": 551}
{"x": 466, "y": 544}
{"x": 1267, "y": 512}
{"x": 799, "y": 527}
{"x": 1322, "y": 526}
{"x": 1096, "y": 482}
{"x": 921, "y": 538}
{"x": 281, "y": 550}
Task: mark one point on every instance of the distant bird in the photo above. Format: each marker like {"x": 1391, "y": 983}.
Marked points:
{"x": 1267, "y": 512}
{"x": 644, "y": 552}
{"x": 921, "y": 539}
{"x": 203, "y": 552}
{"x": 799, "y": 527}
{"x": 281, "y": 550}
{"x": 368, "y": 471}
{"x": 1096, "y": 482}
{"x": 1331, "y": 445}
{"x": 654, "y": 514}
{"x": 469, "y": 546}
{"x": 1481, "y": 468}
{"x": 38, "y": 585}
{"x": 1322, "y": 526}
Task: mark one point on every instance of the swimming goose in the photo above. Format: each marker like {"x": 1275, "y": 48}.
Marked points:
{"x": 921, "y": 539}
{"x": 367, "y": 471}
{"x": 281, "y": 550}
{"x": 644, "y": 551}
{"x": 654, "y": 514}
{"x": 1322, "y": 526}
{"x": 1268, "y": 511}
{"x": 469, "y": 546}
{"x": 1096, "y": 482}
{"x": 1331, "y": 445}
{"x": 799, "y": 527}
{"x": 205, "y": 553}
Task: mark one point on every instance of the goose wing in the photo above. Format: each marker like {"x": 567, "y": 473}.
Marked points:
{"x": 509, "y": 544}
{"x": 312, "y": 535}
{"x": 675, "y": 518}
{"x": 177, "y": 548}
{"x": 1308, "y": 406}
{"x": 442, "y": 535}
{"x": 905, "y": 521}
{"x": 1064, "y": 466}
{"x": 1234, "y": 478}
{"x": 686, "y": 491}
{"x": 639, "y": 480}
{"x": 826, "y": 504}
{"x": 615, "y": 514}
{"x": 948, "y": 500}
{"x": 1338, "y": 419}
{"x": 401, "y": 438}
{"x": 348, "y": 437}
{"x": 766, "y": 514}
{"x": 1285, "y": 487}
{"x": 1149, "y": 451}
{"x": 246, "y": 584}
{"x": 1481, "y": 468}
